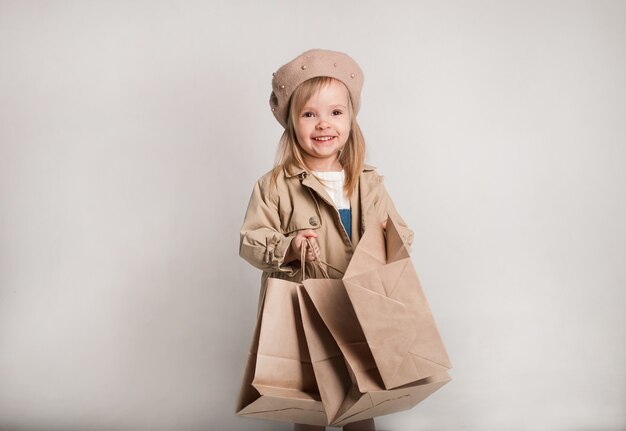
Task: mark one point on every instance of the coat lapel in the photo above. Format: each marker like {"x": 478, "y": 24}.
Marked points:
{"x": 312, "y": 183}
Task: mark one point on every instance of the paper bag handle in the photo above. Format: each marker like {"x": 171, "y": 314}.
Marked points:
{"x": 318, "y": 262}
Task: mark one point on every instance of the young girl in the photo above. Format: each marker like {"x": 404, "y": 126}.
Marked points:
{"x": 320, "y": 190}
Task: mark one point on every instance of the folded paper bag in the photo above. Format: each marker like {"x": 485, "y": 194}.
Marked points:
{"x": 327, "y": 359}
{"x": 344, "y": 399}
{"x": 279, "y": 383}
{"x": 392, "y": 310}
{"x": 327, "y": 301}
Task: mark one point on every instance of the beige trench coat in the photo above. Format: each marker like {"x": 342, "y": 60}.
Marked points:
{"x": 298, "y": 202}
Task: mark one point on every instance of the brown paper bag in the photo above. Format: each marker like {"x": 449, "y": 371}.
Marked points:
{"x": 392, "y": 310}
{"x": 351, "y": 387}
{"x": 279, "y": 382}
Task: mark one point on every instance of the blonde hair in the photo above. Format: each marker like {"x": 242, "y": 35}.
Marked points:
{"x": 289, "y": 154}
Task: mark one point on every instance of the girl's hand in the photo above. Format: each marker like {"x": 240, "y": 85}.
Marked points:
{"x": 299, "y": 241}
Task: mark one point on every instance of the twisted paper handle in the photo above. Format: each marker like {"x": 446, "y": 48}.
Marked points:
{"x": 317, "y": 262}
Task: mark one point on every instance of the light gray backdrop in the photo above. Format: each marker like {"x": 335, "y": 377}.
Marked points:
{"x": 131, "y": 134}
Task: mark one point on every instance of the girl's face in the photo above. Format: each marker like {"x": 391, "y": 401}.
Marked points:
{"x": 323, "y": 127}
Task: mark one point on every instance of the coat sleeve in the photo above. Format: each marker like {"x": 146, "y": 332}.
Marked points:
{"x": 261, "y": 242}
{"x": 386, "y": 207}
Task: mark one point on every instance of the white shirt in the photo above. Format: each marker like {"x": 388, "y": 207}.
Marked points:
{"x": 333, "y": 182}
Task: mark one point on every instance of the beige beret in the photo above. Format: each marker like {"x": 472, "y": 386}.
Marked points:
{"x": 311, "y": 64}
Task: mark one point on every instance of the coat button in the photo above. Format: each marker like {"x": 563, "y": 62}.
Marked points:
{"x": 313, "y": 221}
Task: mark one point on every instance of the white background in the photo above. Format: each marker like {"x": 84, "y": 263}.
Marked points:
{"x": 131, "y": 134}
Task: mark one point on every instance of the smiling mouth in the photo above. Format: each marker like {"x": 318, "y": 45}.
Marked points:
{"x": 323, "y": 138}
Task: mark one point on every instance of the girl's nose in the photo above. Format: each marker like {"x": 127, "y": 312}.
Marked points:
{"x": 322, "y": 124}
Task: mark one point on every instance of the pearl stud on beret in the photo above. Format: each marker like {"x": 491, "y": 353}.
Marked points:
{"x": 312, "y": 64}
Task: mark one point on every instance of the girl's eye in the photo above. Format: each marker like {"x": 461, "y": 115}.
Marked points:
{"x": 308, "y": 114}
{"x": 337, "y": 112}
